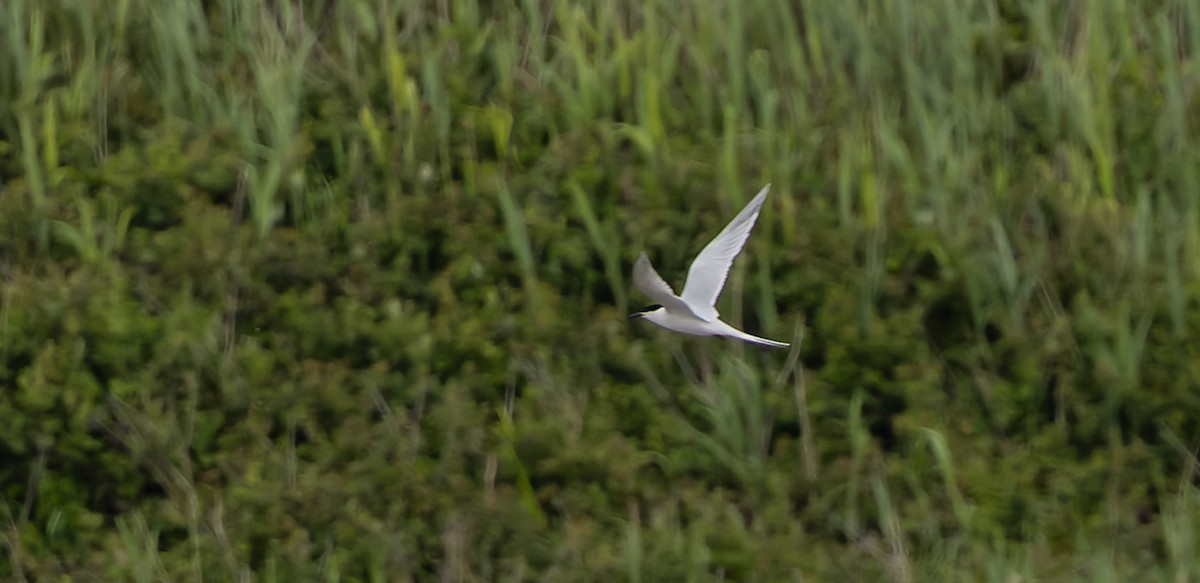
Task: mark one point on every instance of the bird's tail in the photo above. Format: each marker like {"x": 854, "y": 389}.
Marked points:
{"x": 765, "y": 341}
{"x": 757, "y": 340}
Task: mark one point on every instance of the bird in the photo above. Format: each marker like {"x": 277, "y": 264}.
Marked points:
{"x": 694, "y": 311}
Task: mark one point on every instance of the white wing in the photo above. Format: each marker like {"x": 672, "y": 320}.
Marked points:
{"x": 706, "y": 276}
{"x": 651, "y": 284}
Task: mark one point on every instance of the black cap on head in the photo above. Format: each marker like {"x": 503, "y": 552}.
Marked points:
{"x": 645, "y": 310}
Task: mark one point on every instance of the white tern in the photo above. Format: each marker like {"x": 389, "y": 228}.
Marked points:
{"x": 694, "y": 311}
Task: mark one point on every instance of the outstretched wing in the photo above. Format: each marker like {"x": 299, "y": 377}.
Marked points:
{"x": 706, "y": 276}
{"x": 651, "y": 284}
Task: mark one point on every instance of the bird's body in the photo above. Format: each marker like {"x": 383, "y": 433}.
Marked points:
{"x": 687, "y": 324}
{"x": 694, "y": 311}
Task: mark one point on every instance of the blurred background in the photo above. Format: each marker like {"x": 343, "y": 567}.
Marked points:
{"x": 315, "y": 290}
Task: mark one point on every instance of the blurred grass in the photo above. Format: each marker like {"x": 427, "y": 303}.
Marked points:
{"x": 335, "y": 290}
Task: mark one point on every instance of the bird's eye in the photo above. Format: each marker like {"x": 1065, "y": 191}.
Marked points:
{"x": 651, "y": 308}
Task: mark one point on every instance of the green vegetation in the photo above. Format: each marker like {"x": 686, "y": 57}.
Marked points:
{"x": 310, "y": 290}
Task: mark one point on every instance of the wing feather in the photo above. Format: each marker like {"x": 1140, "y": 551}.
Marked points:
{"x": 652, "y": 284}
{"x": 707, "y": 274}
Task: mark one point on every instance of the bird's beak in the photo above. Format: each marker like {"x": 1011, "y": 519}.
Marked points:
{"x": 635, "y": 315}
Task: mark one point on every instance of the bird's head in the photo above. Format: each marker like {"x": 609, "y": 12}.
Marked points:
{"x": 646, "y": 311}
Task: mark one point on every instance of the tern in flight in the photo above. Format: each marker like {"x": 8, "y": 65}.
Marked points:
{"x": 694, "y": 311}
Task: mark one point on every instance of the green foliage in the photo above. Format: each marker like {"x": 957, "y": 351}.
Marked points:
{"x": 335, "y": 290}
